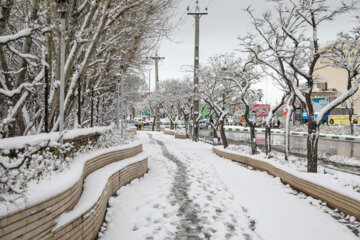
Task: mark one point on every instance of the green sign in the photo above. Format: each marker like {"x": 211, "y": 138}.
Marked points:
{"x": 205, "y": 112}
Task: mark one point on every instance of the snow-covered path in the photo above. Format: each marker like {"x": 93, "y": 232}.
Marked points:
{"x": 189, "y": 193}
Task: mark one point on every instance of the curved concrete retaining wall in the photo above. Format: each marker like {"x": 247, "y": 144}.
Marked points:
{"x": 88, "y": 224}
{"x": 37, "y": 220}
{"x": 180, "y": 136}
{"x": 170, "y": 132}
{"x": 333, "y": 199}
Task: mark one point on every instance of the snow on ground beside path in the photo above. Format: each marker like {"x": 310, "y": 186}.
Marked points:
{"x": 278, "y": 212}
{"x": 343, "y": 130}
{"x": 344, "y": 160}
{"x": 219, "y": 199}
{"x": 325, "y": 129}
{"x": 341, "y": 182}
{"x": 144, "y": 208}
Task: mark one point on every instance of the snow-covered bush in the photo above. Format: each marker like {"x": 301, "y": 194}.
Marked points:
{"x": 180, "y": 131}
{"x": 31, "y": 164}
{"x": 36, "y": 163}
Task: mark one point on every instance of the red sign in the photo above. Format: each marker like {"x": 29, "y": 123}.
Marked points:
{"x": 285, "y": 109}
{"x": 261, "y": 110}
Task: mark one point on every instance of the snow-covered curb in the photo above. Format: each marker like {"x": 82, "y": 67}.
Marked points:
{"x": 32, "y": 140}
{"x": 348, "y": 138}
{"x": 93, "y": 187}
{"x": 317, "y": 185}
{"x": 40, "y": 192}
{"x": 170, "y": 132}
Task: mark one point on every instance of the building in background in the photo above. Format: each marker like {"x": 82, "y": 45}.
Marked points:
{"x": 331, "y": 78}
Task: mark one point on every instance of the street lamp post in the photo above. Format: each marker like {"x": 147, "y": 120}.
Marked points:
{"x": 122, "y": 64}
{"x": 149, "y": 91}
{"x": 62, "y": 9}
{"x": 117, "y": 106}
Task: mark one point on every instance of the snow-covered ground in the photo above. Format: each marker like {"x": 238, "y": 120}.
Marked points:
{"x": 325, "y": 129}
{"x": 190, "y": 192}
{"x": 341, "y": 182}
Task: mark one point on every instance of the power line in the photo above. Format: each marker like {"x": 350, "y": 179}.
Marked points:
{"x": 172, "y": 45}
{"x": 209, "y": 3}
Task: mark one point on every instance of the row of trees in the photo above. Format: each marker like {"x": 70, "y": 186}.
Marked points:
{"x": 286, "y": 47}
{"x": 98, "y": 34}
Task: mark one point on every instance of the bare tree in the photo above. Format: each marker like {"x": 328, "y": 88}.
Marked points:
{"x": 243, "y": 75}
{"x": 292, "y": 50}
{"x": 217, "y": 92}
{"x": 344, "y": 53}
{"x": 97, "y": 35}
{"x": 349, "y": 105}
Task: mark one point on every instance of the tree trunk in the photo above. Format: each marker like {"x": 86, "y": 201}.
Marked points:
{"x": 186, "y": 125}
{"x": 351, "y": 113}
{"x": 46, "y": 99}
{"x": 79, "y": 104}
{"x": 267, "y": 139}
{"x": 252, "y": 139}
{"x": 290, "y": 111}
{"x": 97, "y": 108}
{"x": 92, "y": 108}
{"x": 222, "y": 134}
{"x": 153, "y": 125}
{"x": 312, "y": 146}
{"x": 287, "y": 136}
{"x": 215, "y": 135}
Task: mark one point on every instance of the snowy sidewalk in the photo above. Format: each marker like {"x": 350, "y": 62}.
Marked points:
{"x": 190, "y": 193}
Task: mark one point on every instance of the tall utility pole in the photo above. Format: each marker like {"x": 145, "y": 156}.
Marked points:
{"x": 197, "y": 15}
{"x": 157, "y": 58}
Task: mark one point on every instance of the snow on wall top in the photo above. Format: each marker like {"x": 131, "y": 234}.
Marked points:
{"x": 336, "y": 184}
{"x": 94, "y": 185}
{"x": 21, "y": 142}
{"x": 59, "y": 182}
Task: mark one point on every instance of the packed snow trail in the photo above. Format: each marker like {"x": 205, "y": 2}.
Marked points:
{"x": 189, "y": 224}
{"x": 194, "y": 191}
{"x": 190, "y": 193}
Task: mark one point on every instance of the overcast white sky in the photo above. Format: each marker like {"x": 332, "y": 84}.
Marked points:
{"x": 218, "y": 35}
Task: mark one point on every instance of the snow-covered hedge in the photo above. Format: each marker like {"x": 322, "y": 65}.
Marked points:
{"x": 44, "y": 156}
{"x": 33, "y": 140}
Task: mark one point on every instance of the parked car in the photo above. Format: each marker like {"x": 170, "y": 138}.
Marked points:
{"x": 203, "y": 124}
{"x": 138, "y": 121}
